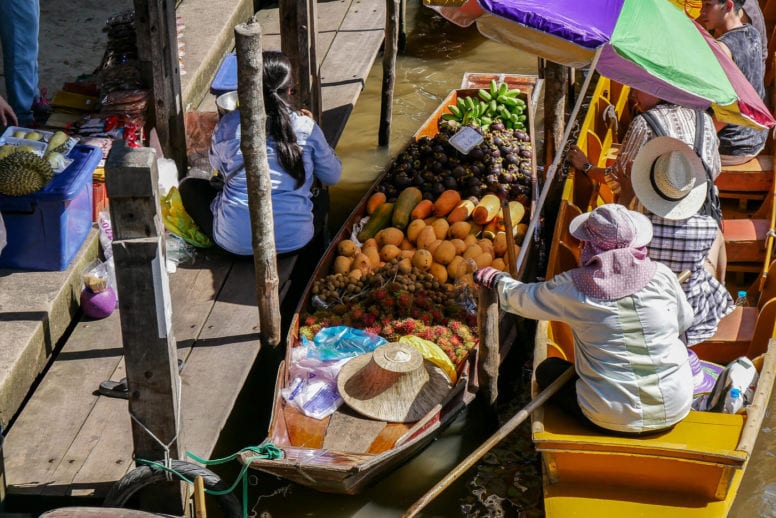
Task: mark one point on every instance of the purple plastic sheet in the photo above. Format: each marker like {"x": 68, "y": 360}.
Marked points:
{"x": 571, "y": 20}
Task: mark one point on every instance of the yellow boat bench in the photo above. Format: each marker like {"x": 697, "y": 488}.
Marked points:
{"x": 699, "y": 452}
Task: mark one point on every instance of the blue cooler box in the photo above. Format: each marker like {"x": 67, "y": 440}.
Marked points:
{"x": 47, "y": 228}
{"x": 225, "y": 79}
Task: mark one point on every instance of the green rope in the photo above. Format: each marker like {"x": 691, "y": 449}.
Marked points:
{"x": 263, "y": 451}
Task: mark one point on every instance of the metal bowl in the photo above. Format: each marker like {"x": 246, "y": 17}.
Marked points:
{"x": 227, "y": 102}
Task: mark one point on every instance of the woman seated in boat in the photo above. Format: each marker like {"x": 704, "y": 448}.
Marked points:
{"x": 297, "y": 153}
{"x": 627, "y": 313}
{"x": 668, "y": 180}
{"x": 744, "y": 44}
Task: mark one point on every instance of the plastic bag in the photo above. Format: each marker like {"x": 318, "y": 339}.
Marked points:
{"x": 433, "y": 353}
{"x": 177, "y": 251}
{"x": 178, "y": 221}
{"x": 739, "y": 374}
{"x": 106, "y": 238}
{"x": 95, "y": 276}
{"x": 336, "y": 343}
{"x": 313, "y": 385}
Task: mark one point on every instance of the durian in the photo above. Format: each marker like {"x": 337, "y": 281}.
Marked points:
{"x": 57, "y": 142}
{"x": 57, "y": 160}
{"x": 19, "y": 134}
{"x": 23, "y": 173}
{"x": 33, "y": 135}
{"x": 6, "y": 150}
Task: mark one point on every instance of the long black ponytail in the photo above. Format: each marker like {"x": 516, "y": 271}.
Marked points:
{"x": 277, "y": 79}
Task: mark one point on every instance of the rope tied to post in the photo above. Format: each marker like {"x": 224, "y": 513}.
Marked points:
{"x": 263, "y": 451}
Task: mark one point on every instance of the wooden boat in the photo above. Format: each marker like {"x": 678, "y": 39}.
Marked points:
{"x": 694, "y": 469}
{"x": 344, "y": 452}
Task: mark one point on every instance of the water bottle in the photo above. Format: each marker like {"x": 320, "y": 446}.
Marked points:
{"x": 733, "y": 401}
{"x": 741, "y": 299}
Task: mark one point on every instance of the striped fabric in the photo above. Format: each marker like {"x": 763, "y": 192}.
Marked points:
{"x": 683, "y": 245}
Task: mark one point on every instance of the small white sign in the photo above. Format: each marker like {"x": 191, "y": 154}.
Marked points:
{"x": 466, "y": 139}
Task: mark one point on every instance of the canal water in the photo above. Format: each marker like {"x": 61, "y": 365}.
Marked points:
{"x": 507, "y": 482}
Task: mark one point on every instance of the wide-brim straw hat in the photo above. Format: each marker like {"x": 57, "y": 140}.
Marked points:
{"x": 668, "y": 178}
{"x": 394, "y": 383}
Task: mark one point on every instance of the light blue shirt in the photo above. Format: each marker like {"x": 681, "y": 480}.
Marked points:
{"x": 634, "y": 371}
{"x": 291, "y": 206}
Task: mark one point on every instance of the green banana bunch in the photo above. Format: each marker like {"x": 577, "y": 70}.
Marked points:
{"x": 497, "y": 104}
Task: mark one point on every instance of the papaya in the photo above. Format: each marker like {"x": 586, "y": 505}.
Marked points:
{"x": 402, "y": 209}
{"x": 446, "y": 202}
{"x": 461, "y": 212}
{"x": 377, "y": 221}
{"x": 422, "y": 210}
{"x": 486, "y": 209}
{"x": 516, "y": 212}
{"x": 375, "y": 201}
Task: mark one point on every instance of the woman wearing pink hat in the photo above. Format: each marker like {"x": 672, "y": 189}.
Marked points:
{"x": 627, "y": 313}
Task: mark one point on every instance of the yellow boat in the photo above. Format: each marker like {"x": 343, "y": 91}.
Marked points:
{"x": 696, "y": 468}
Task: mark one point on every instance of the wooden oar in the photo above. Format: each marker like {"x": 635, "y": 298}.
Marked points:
{"x": 494, "y": 439}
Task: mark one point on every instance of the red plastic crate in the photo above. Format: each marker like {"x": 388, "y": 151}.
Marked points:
{"x": 99, "y": 199}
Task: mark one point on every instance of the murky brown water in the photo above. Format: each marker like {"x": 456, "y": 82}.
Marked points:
{"x": 508, "y": 481}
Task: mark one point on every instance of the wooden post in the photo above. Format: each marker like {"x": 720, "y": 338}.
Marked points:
{"x": 298, "y": 36}
{"x": 150, "y": 350}
{"x": 555, "y": 93}
{"x": 487, "y": 366}
{"x": 392, "y": 13}
{"x": 254, "y": 148}
{"x": 157, "y": 45}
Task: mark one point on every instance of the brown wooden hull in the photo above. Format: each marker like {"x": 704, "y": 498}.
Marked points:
{"x": 373, "y": 450}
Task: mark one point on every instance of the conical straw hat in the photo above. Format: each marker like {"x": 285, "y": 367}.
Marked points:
{"x": 394, "y": 383}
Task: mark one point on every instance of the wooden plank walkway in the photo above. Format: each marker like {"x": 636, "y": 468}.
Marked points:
{"x": 67, "y": 441}
{"x": 350, "y": 33}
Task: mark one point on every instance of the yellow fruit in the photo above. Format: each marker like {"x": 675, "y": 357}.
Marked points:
{"x": 440, "y": 226}
{"x": 426, "y": 237}
{"x": 422, "y": 260}
{"x": 347, "y": 248}
{"x": 439, "y": 272}
{"x": 389, "y": 252}
{"x": 342, "y": 264}
{"x": 444, "y": 253}
{"x": 414, "y": 228}
{"x": 389, "y": 236}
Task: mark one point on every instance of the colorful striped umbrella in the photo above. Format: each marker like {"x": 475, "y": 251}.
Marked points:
{"x": 651, "y": 45}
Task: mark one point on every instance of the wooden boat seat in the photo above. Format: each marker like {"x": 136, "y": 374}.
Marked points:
{"x": 748, "y": 181}
{"x": 700, "y": 453}
{"x": 745, "y": 243}
{"x": 565, "y": 256}
{"x": 732, "y": 339}
{"x": 744, "y": 332}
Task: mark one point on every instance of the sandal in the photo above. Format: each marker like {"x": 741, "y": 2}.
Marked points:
{"x": 119, "y": 389}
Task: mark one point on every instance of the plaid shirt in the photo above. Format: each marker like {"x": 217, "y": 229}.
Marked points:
{"x": 683, "y": 245}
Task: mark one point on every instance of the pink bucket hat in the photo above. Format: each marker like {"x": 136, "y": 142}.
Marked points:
{"x": 612, "y": 226}
{"x": 614, "y": 254}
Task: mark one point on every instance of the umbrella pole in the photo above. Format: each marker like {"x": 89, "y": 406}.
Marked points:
{"x": 550, "y": 176}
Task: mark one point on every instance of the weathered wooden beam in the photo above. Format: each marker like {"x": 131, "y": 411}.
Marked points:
{"x": 392, "y": 13}
{"x": 487, "y": 366}
{"x": 298, "y": 41}
{"x": 253, "y": 119}
{"x": 145, "y": 307}
{"x": 157, "y": 45}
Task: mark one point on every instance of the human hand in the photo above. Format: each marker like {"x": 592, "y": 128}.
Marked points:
{"x": 306, "y": 113}
{"x": 488, "y": 277}
{"x": 7, "y": 116}
{"x": 576, "y": 157}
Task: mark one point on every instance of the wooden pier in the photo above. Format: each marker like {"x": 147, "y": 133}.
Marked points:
{"x": 65, "y": 442}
